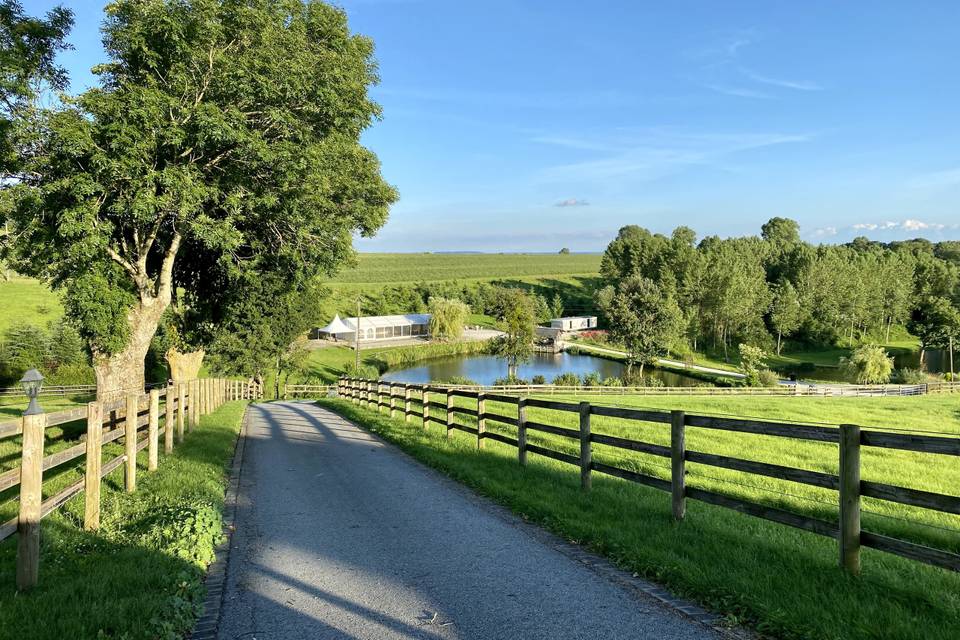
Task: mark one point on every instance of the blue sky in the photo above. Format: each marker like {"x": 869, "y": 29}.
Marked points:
{"x": 532, "y": 125}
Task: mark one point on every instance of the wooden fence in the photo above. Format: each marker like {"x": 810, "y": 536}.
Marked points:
{"x": 124, "y": 420}
{"x": 306, "y": 390}
{"x": 850, "y": 439}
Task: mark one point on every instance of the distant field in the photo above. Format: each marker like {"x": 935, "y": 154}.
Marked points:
{"x": 26, "y": 300}
{"x": 388, "y": 268}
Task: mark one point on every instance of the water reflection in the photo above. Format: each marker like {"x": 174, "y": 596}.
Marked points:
{"x": 487, "y": 369}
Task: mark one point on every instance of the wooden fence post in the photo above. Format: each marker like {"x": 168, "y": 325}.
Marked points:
{"x": 678, "y": 454}
{"x": 481, "y": 419}
{"x": 406, "y": 403}
{"x": 379, "y": 396}
{"x": 522, "y": 431}
{"x": 168, "y": 426}
{"x": 586, "y": 454}
{"x": 94, "y": 459}
{"x": 130, "y": 443}
{"x": 393, "y": 397}
{"x": 449, "y": 414}
{"x": 31, "y": 499}
{"x": 181, "y": 409}
{"x": 153, "y": 431}
{"x": 850, "y": 498}
{"x": 425, "y": 401}
{"x": 191, "y": 405}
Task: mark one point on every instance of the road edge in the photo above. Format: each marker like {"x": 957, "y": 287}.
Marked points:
{"x": 208, "y": 623}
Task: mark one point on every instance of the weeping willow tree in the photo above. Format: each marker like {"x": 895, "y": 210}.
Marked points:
{"x": 447, "y": 317}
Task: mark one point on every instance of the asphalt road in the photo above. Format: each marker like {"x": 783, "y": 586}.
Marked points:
{"x": 341, "y": 536}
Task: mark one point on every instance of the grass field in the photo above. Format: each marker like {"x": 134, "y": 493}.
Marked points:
{"x": 395, "y": 268}
{"x": 26, "y": 300}
{"x": 779, "y": 580}
{"x": 140, "y": 575}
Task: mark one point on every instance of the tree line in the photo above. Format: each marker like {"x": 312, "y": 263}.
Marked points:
{"x": 674, "y": 293}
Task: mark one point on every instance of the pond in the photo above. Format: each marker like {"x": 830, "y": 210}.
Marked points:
{"x": 486, "y": 369}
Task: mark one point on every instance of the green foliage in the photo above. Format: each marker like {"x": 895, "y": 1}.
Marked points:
{"x": 785, "y": 312}
{"x": 556, "y": 306}
{"x": 612, "y": 381}
{"x": 447, "y": 317}
{"x": 57, "y": 352}
{"x": 911, "y": 376}
{"x": 642, "y": 318}
{"x": 222, "y": 143}
{"x": 461, "y": 380}
{"x": 567, "y": 379}
{"x": 868, "y": 364}
{"x": 510, "y": 381}
{"x": 400, "y": 357}
{"x": 517, "y": 323}
{"x": 752, "y": 361}
{"x": 423, "y": 268}
{"x": 365, "y": 371}
{"x": 538, "y": 379}
{"x": 565, "y": 251}
{"x": 592, "y": 379}
{"x": 767, "y": 378}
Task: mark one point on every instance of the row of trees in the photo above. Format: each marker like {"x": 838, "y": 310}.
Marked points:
{"x": 673, "y": 293}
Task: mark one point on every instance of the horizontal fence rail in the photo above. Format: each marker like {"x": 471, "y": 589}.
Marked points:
{"x": 849, "y": 440}
{"x": 802, "y": 390}
{"x": 134, "y": 419}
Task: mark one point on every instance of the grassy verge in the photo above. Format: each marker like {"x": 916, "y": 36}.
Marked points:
{"x": 141, "y": 575}
{"x": 329, "y": 363}
{"x": 778, "y": 580}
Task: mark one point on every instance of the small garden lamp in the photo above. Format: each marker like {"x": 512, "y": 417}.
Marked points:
{"x": 32, "y": 382}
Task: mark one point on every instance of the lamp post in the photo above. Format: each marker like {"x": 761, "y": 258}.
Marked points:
{"x": 32, "y": 382}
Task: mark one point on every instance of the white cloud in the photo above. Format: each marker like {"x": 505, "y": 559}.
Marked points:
{"x": 572, "y": 202}
{"x": 919, "y": 225}
{"x": 740, "y": 92}
{"x": 825, "y": 232}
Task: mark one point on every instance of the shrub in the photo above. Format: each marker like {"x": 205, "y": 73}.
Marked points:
{"x": 868, "y": 364}
{"x": 592, "y": 379}
{"x": 459, "y": 380}
{"x": 612, "y": 382}
{"x": 70, "y": 375}
{"x": 910, "y": 376}
{"x": 752, "y": 364}
{"x": 366, "y": 371}
{"x": 538, "y": 379}
{"x": 767, "y": 378}
{"x": 509, "y": 381}
{"x": 447, "y": 317}
{"x": 567, "y": 379}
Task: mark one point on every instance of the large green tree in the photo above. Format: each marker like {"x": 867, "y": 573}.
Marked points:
{"x": 642, "y": 318}
{"x": 518, "y": 320}
{"x": 222, "y": 141}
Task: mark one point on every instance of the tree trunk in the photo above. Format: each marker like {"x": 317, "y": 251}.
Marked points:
{"x": 122, "y": 372}
{"x": 779, "y": 336}
{"x": 641, "y": 370}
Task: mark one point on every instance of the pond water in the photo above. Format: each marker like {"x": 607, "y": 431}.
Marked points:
{"x": 486, "y": 369}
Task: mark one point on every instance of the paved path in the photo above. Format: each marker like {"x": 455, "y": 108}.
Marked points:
{"x": 341, "y": 536}
{"x": 664, "y": 361}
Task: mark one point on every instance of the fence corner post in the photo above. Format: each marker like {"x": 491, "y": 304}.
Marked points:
{"x": 586, "y": 454}
{"x": 522, "y": 431}
{"x": 678, "y": 454}
{"x": 153, "y": 431}
{"x": 94, "y": 461}
{"x": 130, "y": 442}
{"x": 31, "y": 499}
{"x": 850, "y": 498}
{"x": 481, "y": 419}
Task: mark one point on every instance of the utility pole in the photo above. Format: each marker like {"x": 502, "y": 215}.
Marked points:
{"x": 356, "y": 339}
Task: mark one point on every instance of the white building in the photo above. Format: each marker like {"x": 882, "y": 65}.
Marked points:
{"x": 574, "y": 323}
{"x": 376, "y": 327}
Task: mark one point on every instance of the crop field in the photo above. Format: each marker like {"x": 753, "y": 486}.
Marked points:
{"x": 395, "y": 268}
{"x": 745, "y": 567}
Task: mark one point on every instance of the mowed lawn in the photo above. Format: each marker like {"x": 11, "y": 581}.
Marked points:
{"x": 781, "y": 580}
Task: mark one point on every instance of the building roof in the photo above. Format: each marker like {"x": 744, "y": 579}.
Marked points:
{"x": 367, "y": 322}
{"x": 337, "y": 326}
{"x": 573, "y": 318}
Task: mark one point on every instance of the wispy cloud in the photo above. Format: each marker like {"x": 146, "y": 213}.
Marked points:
{"x": 799, "y": 85}
{"x": 740, "y": 92}
{"x": 572, "y": 202}
{"x": 654, "y": 154}
{"x": 825, "y": 232}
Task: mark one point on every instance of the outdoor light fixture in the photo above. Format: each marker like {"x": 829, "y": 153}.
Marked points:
{"x": 32, "y": 382}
